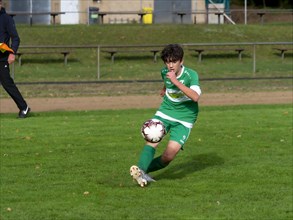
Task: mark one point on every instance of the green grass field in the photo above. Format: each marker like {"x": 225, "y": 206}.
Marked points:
{"x": 237, "y": 164}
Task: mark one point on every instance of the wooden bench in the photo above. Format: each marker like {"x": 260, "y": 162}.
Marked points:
{"x": 201, "y": 50}
{"x": 113, "y": 52}
{"x": 101, "y": 14}
{"x": 283, "y": 50}
{"x": 20, "y": 54}
{"x": 31, "y": 14}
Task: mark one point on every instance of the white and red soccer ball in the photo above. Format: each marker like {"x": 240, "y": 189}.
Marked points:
{"x": 153, "y": 130}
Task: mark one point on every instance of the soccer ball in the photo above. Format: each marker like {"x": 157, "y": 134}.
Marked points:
{"x": 153, "y": 130}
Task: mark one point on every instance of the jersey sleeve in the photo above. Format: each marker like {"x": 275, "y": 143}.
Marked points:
{"x": 164, "y": 71}
{"x": 194, "y": 80}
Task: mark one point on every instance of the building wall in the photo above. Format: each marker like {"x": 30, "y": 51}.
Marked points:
{"x": 71, "y": 7}
{"x": 138, "y": 5}
{"x": 165, "y": 11}
{"x": 201, "y": 17}
{"x": 133, "y": 5}
{"x": 77, "y": 11}
{"x": 29, "y": 6}
{"x": 115, "y": 6}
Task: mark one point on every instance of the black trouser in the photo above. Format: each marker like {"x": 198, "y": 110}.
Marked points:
{"x": 10, "y": 87}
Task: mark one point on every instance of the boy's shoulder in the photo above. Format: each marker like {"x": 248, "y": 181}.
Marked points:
{"x": 164, "y": 70}
{"x": 189, "y": 70}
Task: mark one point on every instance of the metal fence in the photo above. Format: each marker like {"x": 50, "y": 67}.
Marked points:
{"x": 220, "y": 46}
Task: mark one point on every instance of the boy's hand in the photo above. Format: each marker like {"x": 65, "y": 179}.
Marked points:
{"x": 172, "y": 76}
{"x": 162, "y": 93}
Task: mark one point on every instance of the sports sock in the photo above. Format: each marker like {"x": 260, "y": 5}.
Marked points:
{"x": 146, "y": 157}
{"x": 156, "y": 164}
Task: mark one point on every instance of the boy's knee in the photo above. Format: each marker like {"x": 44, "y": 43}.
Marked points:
{"x": 166, "y": 159}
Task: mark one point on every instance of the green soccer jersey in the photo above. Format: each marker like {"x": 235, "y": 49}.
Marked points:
{"x": 176, "y": 106}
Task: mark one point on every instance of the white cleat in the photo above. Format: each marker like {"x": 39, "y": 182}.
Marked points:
{"x": 137, "y": 175}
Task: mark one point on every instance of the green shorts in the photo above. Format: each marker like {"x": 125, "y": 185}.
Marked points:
{"x": 178, "y": 132}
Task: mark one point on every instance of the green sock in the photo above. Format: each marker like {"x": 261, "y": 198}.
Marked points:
{"x": 146, "y": 157}
{"x": 156, "y": 164}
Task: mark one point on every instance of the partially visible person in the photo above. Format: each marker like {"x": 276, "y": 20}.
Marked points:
{"x": 8, "y": 32}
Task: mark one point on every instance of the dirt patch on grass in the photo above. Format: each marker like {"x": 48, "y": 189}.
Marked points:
{"x": 143, "y": 101}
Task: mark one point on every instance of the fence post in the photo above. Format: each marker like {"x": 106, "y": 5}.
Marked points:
{"x": 98, "y": 62}
{"x": 254, "y": 60}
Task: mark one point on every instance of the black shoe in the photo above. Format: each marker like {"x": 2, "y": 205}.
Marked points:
{"x": 24, "y": 113}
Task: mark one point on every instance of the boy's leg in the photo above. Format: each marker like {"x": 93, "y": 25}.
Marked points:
{"x": 162, "y": 161}
{"x": 146, "y": 157}
{"x": 178, "y": 136}
{"x": 138, "y": 173}
{"x": 156, "y": 164}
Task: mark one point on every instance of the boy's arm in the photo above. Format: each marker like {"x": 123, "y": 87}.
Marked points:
{"x": 193, "y": 95}
{"x": 162, "y": 93}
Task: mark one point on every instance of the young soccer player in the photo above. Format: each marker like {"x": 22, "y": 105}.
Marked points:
{"x": 178, "y": 112}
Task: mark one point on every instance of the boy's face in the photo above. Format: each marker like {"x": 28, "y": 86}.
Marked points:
{"x": 174, "y": 66}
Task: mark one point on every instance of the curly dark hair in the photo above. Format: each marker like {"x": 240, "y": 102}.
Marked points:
{"x": 172, "y": 53}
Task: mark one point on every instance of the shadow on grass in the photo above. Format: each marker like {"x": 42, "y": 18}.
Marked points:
{"x": 131, "y": 58}
{"x": 45, "y": 61}
{"x": 286, "y": 55}
{"x": 222, "y": 56}
{"x": 194, "y": 164}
